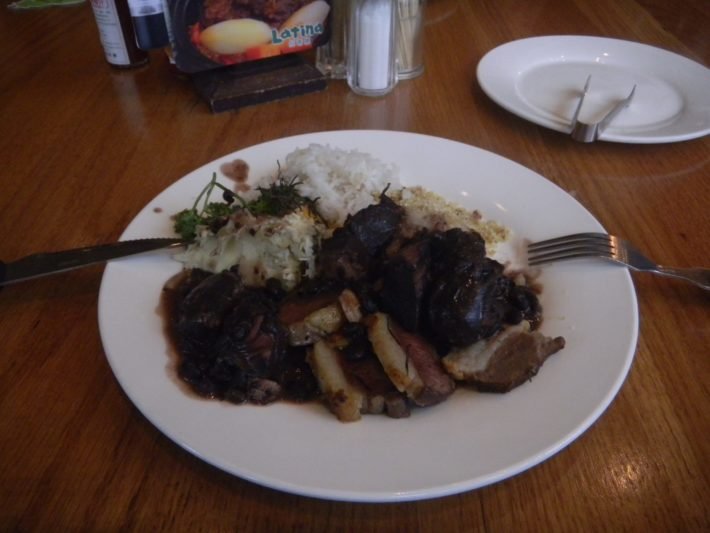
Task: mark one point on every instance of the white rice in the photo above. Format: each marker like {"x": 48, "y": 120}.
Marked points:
{"x": 344, "y": 181}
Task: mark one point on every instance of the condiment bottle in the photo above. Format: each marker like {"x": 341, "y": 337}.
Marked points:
{"x": 113, "y": 20}
{"x": 149, "y": 25}
{"x": 372, "y": 54}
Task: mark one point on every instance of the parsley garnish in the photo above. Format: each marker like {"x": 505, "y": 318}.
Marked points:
{"x": 278, "y": 199}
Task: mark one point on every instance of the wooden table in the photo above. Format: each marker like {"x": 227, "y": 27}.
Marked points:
{"x": 84, "y": 147}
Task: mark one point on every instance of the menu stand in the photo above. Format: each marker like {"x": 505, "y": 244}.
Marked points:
{"x": 257, "y": 82}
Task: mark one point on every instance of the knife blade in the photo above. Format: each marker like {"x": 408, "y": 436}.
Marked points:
{"x": 44, "y": 264}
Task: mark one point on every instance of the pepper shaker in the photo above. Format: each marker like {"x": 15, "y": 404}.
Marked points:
{"x": 372, "y": 54}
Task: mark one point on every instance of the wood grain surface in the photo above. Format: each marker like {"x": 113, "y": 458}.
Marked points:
{"x": 84, "y": 147}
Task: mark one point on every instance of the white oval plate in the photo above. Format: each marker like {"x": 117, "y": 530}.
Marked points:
{"x": 541, "y": 79}
{"x": 470, "y": 440}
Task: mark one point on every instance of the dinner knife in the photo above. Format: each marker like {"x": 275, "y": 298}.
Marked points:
{"x": 44, "y": 264}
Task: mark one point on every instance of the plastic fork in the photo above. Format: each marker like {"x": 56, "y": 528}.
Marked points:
{"x": 588, "y": 133}
{"x": 610, "y": 248}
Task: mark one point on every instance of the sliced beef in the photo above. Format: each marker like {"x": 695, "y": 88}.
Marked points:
{"x": 437, "y": 385}
{"x": 503, "y": 362}
{"x": 409, "y": 361}
{"x": 362, "y": 366}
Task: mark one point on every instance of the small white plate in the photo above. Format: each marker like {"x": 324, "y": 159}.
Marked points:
{"x": 468, "y": 441}
{"x": 541, "y": 79}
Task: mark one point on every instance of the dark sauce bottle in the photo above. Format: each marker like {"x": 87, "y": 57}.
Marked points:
{"x": 149, "y": 23}
{"x": 113, "y": 20}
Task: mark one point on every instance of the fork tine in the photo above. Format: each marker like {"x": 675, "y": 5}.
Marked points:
{"x": 561, "y": 254}
{"x": 570, "y": 247}
{"x": 566, "y": 239}
{"x": 612, "y": 249}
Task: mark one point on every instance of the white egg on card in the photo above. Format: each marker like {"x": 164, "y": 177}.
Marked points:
{"x": 309, "y": 15}
{"x": 235, "y": 36}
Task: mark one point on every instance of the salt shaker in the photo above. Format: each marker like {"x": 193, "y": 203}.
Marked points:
{"x": 372, "y": 54}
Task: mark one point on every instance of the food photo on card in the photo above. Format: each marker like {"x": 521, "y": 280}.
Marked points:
{"x": 208, "y": 34}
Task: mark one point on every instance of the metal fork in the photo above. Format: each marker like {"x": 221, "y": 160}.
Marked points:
{"x": 611, "y": 248}
{"x": 588, "y": 133}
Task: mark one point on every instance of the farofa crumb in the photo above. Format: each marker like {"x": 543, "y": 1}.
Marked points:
{"x": 427, "y": 209}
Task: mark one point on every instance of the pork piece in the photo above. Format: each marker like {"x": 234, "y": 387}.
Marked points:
{"x": 310, "y": 317}
{"x": 343, "y": 398}
{"x": 317, "y": 325}
{"x": 470, "y": 303}
{"x": 505, "y": 361}
{"x": 405, "y": 277}
{"x": 410, "y": 362}
{"x": 471, "y": 298}
{"x": 351, "y": 306}
{"x": 478, "y": 301}
{"x": 456, "y": 249}
{"x": 351, "y": 377}
{"x": 524, "y": 305}
{"x": 347, "y": 255}
{"x": 363, "y": 368}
